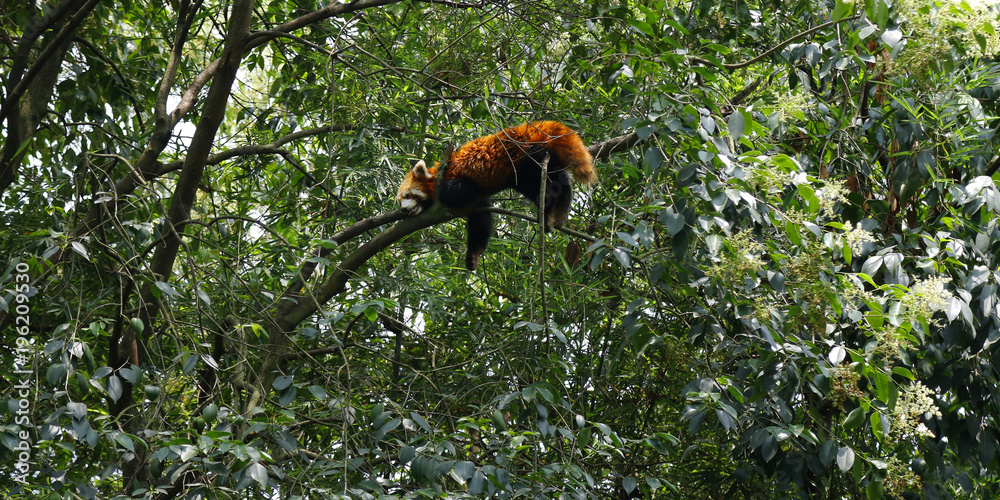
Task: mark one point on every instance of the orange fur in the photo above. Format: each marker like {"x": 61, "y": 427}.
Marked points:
{"x": 490, "y": 161}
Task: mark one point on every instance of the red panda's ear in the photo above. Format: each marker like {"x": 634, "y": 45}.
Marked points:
{"x": 420, "y": 169}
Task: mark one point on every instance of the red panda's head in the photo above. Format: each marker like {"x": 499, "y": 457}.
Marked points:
{"x": 417, "y": 190}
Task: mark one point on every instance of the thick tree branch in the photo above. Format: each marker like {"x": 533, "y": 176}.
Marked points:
{"x": 603, "y": 150}
{"x": 45, "y": 58}
{"x": 137, "y": 471}
{"x": 28, "y": 96}
{"x": 213, "y": 113}
{"x": 185, "y": 18}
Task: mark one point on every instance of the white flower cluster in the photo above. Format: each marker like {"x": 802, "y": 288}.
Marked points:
{"x": 926, "y": 297}
{"x": 793, "y": 104}
{"x": 914, "y": 402}
{"x": 979, "y": 21}
{"x": 829, "y": 195}
{"x": 768, "y": 177}
{"x": 744, "y": 261}
{"x": 932, "y": 24}
{"x": 857, "y": 237}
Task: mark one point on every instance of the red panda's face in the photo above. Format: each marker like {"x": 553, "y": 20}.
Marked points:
{"x": 417, "y": 189}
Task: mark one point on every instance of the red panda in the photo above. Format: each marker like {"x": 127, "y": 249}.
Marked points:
{"x": 510, "y": 158}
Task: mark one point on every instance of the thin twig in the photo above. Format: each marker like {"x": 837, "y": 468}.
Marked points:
{"x": 767, "y": 53}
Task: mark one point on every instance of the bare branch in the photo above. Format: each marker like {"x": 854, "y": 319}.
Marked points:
{"x": 767, "y": 53}
{"x": 185, "y": 19}
{"x": 603, "y": 150}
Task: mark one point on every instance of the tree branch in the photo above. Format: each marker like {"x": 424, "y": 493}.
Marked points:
{"x": 603, "y": 150}
{"x": 44, "y": 58}
{"x": 32, "y": 31}
{"x": 28, "y": 96}
{"x": 294, "y": 308}
{"x": 767, "y": 53}
{"x": 161, "y": 265}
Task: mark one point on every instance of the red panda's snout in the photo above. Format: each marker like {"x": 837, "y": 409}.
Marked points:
{"x": 410, "y": 204}
{"x": 417, "y": 189}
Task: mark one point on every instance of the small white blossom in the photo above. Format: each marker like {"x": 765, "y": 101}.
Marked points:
{"x": 829, "y": 195}
{"x": 926, "y": 297}
{"x": 857, "y": 237}
{"x": 915, "y": 401}
{"x": 922, "y": 430}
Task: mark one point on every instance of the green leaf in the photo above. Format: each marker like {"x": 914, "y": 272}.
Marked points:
{"x": 76, "y": 410}
{"x": 837, "y": 354}
{"x": 259, "y": 473}
{"x": 640, "y": 26}
{"x": 80, "y": 249}
{"x": 318, "y": 392}
{"x": 715, "y": 243}
{"x": 622, "y": 256}
{"x": 583, "y": 437}
{"x": 55, "y": 373}
{"x": 653, "y": 157}
{"x": 498, "y": 421}
{"x": 406, "y": 453}
{"x": 792, "y": 231}
{"x": 628, "y": 484}
{"x": 205, "y": 299}
{"x": 281, "y": 383}
{"x": 165, "y": 287}
{"x": 674, "y": 221}
{"x": 873, "y": 490}
{"x": 854, "y": 418}
{"x": 736, "y": 125}
{"x": 840, "y": 10}
{"x": 210, "y": 412}
{"x": 420, "y": 421}
{"x": 463, "y": 471}
{"x": 125, "y": 441}
{"x": 872, "y": 265}
{"x": 845, "y": 458}
{"x": 903, "y": 372}
{"x": 477, "y": 483}
{"x": 828, "y": 452}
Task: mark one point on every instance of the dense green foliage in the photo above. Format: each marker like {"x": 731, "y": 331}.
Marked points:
{"x": 786, "y": 283}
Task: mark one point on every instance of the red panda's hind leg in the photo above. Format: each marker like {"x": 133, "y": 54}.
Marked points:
{"x": 558, "y": 187}
{"x": 559, "y": 197}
